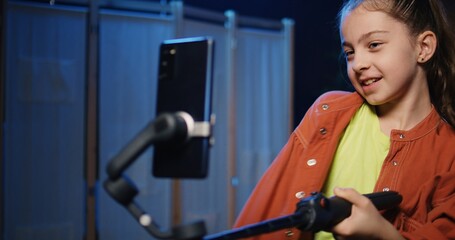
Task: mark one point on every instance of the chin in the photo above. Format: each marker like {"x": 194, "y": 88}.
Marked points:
{"x": 373, "y": 100}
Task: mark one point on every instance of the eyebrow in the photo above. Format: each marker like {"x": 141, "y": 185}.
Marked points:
{"x": 365, "y": 36}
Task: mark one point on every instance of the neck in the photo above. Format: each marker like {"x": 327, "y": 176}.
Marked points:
{"x": 403, "y": 115}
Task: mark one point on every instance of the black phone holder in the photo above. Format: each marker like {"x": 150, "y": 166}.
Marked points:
{"x": 314, "y": 213}
{"x": 167, "y": 128}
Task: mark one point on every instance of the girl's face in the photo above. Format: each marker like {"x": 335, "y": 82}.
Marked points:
{"x": 381, "y": 57}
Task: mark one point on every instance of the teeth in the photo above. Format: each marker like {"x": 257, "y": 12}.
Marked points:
{"x": 368, "y": 82}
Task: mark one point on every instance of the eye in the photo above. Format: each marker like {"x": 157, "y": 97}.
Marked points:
{"x": 374, "y": 45}
{"x": 348, "y": 53}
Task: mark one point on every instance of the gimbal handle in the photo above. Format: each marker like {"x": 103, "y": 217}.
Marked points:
{"x": 166, "y": 128}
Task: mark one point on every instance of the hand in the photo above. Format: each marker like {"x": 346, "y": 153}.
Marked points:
{"x": 365, "y": 220}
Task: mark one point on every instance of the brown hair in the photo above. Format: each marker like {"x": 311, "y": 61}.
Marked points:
{"x": 420, "y": 16}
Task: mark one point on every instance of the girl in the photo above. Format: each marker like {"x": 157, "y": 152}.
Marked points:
{"x": 396, "y": 132}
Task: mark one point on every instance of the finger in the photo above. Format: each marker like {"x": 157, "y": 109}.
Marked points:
{"x": 349, "y": 194}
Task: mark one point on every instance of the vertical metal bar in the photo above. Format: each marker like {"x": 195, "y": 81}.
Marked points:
{"x": 177, "y": 12}
{"x": 288, "y": 32}
{"x": 231, "y": 48}
{"x": 176, "y": 189}
{"x": 2, "y": 108}
{"x": 91, "y": 163}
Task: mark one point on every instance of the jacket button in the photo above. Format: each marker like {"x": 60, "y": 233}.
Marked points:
{"x": 402, "y": 136}
{"x": 311, "y": 162}
{"x": 289, "y": 234}
{"x": 386, "y": 189}
{"x": 325, "y": 107}
{"x": 300, "y": 194}
{"x": 323, "y": 131}
{"x": 395, "y": 163}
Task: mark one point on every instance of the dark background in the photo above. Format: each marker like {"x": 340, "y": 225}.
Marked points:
{"x": 317, "y": 65}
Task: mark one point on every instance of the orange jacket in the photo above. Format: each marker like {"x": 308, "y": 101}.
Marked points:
{"x": 420, "y": 166}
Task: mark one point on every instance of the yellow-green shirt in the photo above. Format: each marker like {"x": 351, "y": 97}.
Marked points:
{"x": 359, "y": 156}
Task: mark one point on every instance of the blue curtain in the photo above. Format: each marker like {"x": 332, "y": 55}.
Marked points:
{"x": 44, "y": 125}
{"x": 263, "y": 105}
{"x": 129, "y": 53}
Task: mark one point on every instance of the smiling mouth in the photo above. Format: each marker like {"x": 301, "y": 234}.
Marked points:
{"x": 370, "y": 81}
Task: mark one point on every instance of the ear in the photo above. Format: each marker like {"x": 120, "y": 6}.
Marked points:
{"x": 426, "y": 46}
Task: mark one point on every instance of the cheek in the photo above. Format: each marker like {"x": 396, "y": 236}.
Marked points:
{"x": 398, "y": 59}
{"x": 398, "y": 66}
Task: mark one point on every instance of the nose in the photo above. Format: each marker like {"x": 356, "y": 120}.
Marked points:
{"x": 360, "y": 64}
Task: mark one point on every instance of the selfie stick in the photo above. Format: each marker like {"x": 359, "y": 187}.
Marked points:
{"x": 165, "y": 129}
{"x": 313, "y": 214}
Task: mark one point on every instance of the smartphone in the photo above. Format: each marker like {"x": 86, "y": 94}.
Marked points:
{"x": 185, "y": 84}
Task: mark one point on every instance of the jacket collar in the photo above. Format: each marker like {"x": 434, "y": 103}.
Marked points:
{"x": 428, "y": 124}
{"x": 336, "y": 101}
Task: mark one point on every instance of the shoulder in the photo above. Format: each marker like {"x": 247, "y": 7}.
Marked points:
{"x": 330, "y": 107}
{"x": 338, "y": 99}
